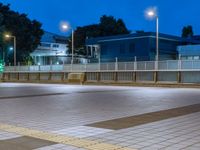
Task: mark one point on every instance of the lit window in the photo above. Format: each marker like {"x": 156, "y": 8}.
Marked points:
{"x": 189, "y": 57}
{"x": 196, "y": 57}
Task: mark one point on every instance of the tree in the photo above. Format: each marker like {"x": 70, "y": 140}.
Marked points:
{"x": 80, "y": 35}
{"x": 107, "y": 26}
{"x": 110, "y": 26}
{"x": 28, "y": 32}
{"x": 187, "y": 31}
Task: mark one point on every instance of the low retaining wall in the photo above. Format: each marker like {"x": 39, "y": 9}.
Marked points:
{"x": 111, "y": 77}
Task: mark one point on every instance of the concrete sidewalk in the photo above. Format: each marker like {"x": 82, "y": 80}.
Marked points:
{"x": 71, "y": 117}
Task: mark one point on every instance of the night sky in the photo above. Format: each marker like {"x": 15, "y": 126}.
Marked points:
{"x": 173, "y": 14}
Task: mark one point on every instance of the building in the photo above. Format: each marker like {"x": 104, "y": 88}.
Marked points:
{"x": 189, "y": 52}
{"x": 52, "y": 49}
{"x": 139, "y": 45}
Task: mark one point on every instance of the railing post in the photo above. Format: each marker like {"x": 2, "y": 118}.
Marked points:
{"x": 192, "y": 64}
{"x": 18, "y": 66}
{"x": 116, "y": 64}
{"x": 51, "y": 65}
{"x": 107, "y": 66}
{"x": 63, "y": 65}
{"x": 71, "y": 67}
{"x": 135, "y": 63}
{"x": 156, "y": 63}
{"x": 179, "y": 62}
{"x": 29, "y": 67}
{"x": 99, "y": 64}
{"x": 85, "y": 67}
{"x": 167, "y": 65}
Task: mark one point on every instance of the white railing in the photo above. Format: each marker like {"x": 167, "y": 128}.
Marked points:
{"x": 168, "y": 65}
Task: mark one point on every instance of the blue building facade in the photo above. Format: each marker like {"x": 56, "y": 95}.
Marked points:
{"x": 139, "y": 45}
{"x": 189, "y": 52}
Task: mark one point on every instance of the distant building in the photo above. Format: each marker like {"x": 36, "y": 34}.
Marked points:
{"x": 189, "y": 52}
{"x": 52, "y": 49}
{"x": 140, "y": 45}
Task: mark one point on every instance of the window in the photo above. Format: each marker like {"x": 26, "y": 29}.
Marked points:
{"x": 122, "y": 49}
{"x": 184, "y": 58}
{"x": 131, "y": 48}
{"x": 196, "y": 57}
{"x": 189, "y": 57}
{"x": 55, "y": 45}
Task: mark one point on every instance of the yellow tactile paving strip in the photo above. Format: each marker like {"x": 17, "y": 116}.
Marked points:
{"x": 68, "y": 140}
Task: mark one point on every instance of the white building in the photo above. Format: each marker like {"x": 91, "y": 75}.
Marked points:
{"x": 52, "y": 50}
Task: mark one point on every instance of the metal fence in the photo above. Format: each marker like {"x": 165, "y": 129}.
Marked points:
{"x": 168, "y": 65}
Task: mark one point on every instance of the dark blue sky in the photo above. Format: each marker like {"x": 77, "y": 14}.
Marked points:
{"x": 173, "y": 14}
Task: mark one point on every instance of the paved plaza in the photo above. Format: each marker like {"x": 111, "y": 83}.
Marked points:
{"x": 75, "y": 117}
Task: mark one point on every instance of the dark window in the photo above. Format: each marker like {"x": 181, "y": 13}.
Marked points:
{"x": 55, "y": 45}
{"x": 132, "y": 48}
{"x": 122, "y": 49}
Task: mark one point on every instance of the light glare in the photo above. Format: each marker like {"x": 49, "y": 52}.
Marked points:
{"x": 11, "y": 48}
{"x": 64, "y": 26}
{"x": 7, "y": 35}
{"x": 151, "y": 13}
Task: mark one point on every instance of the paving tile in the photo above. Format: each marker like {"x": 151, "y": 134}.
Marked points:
{"x": 23, "y": 143}
{"x": 82, "y": 131}
{"x": 68, "y": 113}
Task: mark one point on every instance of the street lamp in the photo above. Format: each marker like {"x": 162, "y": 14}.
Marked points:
{"x": 14, "y": 38}
{"x": 65, "y": 27}
{"x": 152, "y": 13}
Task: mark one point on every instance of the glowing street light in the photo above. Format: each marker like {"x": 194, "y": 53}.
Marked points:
{"x": 7, "y": 35}
{"x": 14, "y": 39}
{"x": 11, "y": 48}
{"x": 64, "y": 26}
{"x": 152, "y": 13}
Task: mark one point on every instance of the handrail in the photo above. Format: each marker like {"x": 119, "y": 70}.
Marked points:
{"x": 167, "y": 65}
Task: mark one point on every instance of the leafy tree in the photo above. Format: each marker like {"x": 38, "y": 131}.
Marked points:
{"x": 107, "y": 26}
{"x": 110, "y": 26}
{"x": 28, "y": 32}
{"x": 187, "y": 31}
{"x": 1, "y": 36}
{"x": 80, "y": 35}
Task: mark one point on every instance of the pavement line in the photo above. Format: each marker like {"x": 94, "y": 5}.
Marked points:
{"x": 53, "y": 94}
{"x": 35, "y": 95}
{"x": 131, "y": 121}
{"x": 63, "y": 139}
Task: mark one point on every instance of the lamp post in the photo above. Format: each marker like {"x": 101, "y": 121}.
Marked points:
{"x": 151, "y": 13}
{"x": 65, "y": 27}
{"x": 14, "y": 39}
